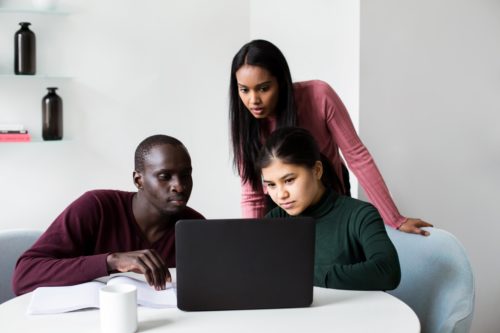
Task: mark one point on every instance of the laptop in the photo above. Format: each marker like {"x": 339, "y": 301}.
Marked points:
{"x": 239, "y": 264}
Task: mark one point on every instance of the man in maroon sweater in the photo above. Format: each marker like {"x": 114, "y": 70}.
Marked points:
{"x": 107, "y": 231}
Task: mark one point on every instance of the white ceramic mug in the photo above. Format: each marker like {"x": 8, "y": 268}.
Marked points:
{"x": 118, "y": 308}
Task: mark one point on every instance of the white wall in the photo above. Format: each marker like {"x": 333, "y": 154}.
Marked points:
{"x": 430, "y": 87}
{"x": 320, "y": 39}
{"x": 429, "y": 102}
{"x": 139, "y": 68}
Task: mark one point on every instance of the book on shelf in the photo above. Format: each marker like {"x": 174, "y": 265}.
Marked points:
{"x": 11, "y": 127}
{"x": 13, "y": 131}
{"x": 15, "y": 137}
{"x": 48, "y": 300}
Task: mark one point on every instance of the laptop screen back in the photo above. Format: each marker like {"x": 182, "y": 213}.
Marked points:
{"x": 234, "y": 264}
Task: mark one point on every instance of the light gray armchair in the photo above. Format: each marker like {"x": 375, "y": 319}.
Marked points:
{"x": 12, "y": 244}
{"x": 436, "y": 280}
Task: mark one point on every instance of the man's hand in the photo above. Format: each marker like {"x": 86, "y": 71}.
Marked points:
{"x": 412, "y": 226}
{"x": 147, "y": 262}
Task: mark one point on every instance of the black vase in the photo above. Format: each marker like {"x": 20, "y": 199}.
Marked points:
{"x": 25, "y": 50}
{"x": 52, "y": 116}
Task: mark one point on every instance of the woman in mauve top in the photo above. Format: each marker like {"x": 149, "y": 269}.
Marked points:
{"x": 263, "y": 98}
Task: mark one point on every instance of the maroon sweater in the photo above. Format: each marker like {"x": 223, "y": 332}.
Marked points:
{"x": 74, "y": 248}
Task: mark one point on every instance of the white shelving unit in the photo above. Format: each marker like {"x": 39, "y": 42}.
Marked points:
{"x": 20, "y": 95}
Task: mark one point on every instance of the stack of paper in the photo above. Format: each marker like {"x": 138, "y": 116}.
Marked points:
{"x": 47, "y": 300}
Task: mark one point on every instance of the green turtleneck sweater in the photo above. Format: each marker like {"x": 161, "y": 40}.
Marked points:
{"x": 352, "y": 250}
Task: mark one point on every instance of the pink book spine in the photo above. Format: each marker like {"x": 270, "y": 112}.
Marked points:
{"x": 11, "y": 137}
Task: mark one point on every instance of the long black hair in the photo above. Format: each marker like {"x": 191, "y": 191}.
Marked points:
{"x": 294, "y": 145}
{"x": 245, "y": 129}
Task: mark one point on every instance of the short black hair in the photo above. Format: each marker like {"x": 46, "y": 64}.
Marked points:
{"x": 149, "y": 143}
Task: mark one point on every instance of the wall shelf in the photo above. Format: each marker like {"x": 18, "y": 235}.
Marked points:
{"x": 33, "y": 11}
{"x": 36, "y": 141}
{"x": 37, "y": 76}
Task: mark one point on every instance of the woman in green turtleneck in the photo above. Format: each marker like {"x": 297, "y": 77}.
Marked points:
{"x": 353, "y": 250}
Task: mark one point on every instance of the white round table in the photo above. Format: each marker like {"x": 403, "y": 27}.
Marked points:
{"x": 332, "y": 311}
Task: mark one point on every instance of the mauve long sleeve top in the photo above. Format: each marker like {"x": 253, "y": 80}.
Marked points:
{"x": 321, "y": 111}
{"x": 74, "y": 248}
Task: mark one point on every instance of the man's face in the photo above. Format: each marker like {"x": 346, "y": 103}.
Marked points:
{"x": 166, "y": 181}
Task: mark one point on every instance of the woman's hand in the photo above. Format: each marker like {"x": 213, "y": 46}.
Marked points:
{"x": 413, "y": 226}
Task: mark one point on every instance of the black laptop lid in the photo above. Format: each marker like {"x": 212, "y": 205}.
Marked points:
{"x": 244, "y": 263}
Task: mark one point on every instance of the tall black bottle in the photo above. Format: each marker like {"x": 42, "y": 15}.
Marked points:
{"x": 52, "y": 115}
{"x": 25, "y": 50}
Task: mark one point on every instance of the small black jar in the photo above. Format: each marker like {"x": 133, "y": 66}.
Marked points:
{"x": 52, "y": 115}
{"x": 25, "y": 50}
